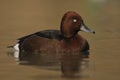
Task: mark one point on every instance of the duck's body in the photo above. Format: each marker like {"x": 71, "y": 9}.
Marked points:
{"x": 66, "y": 42}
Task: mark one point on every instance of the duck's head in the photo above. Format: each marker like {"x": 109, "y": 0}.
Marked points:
{"x": 72, "y": 23}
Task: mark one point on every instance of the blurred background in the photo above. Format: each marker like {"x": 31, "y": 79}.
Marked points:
{"x": 21, "y": 17}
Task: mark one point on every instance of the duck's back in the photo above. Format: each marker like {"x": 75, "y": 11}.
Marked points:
{"x": 50, "y": 34}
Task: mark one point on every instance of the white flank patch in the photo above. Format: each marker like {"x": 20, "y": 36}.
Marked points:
{"x": 16, "y": 52}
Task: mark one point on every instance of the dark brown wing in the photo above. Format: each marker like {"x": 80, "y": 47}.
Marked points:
{"x": 50, "y": 34}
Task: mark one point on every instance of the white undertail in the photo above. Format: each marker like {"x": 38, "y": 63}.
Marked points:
{"x": 16, "y": 52}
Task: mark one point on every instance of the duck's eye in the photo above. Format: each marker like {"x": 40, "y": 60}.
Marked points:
{"x": 74, "y": 20}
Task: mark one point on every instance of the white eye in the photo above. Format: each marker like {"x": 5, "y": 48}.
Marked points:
{"x": 74, "y": 20}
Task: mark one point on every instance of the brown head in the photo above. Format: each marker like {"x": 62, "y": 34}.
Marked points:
{"x": 72, "y": 23}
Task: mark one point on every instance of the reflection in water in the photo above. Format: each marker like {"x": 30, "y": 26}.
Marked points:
{"x": 55, "y": 62}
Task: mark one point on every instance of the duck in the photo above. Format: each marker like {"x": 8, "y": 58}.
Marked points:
{"x": 67, "y": 42}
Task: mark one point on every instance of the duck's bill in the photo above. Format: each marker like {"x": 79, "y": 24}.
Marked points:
{"x": 86, "y": 29}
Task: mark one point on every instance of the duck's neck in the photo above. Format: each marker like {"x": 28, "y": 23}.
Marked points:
{"x": 70, "y": 39}
{"x": 72, "y": 43}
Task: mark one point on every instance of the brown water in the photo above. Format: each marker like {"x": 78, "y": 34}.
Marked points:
{"x": 22, "y": 17}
